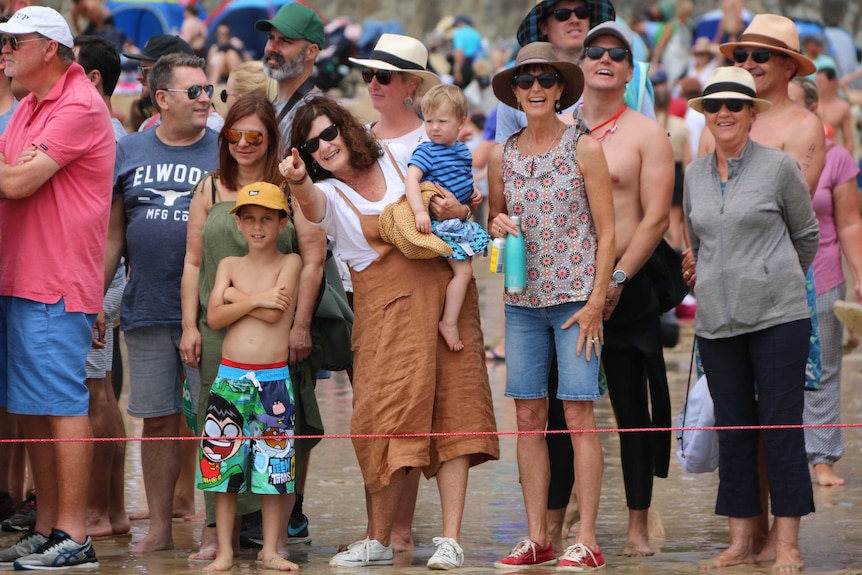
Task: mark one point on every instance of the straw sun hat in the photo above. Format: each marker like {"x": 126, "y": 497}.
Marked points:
{"x": 401, "y": 54}
{"x": 773, "y": 32}
{"x": 540, "y": 53}
{"x": 398, "y": 227}
{"x": 729, "y": 83}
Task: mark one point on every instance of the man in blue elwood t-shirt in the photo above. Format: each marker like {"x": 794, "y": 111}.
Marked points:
{"x": 155, "y": 173}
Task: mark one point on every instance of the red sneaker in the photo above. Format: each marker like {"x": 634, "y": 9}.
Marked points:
{"x": 579, "y": 557}
{"x": 526, "y": 554}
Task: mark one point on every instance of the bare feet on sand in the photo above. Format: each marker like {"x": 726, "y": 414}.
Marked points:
{"x": 278, "y": 562}
{"x": 221, "y": 563}
{"x": 402, "y": 541}
{"x": 204, "y": 554}
{"x": 726, "y": 558}
{"x": 824, "y": 474}
{"x": 637, "y": 549}
{"x": 152, "y": 543}
{"x": 451, "y": 335}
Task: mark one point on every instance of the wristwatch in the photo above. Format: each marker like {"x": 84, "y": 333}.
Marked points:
{"x": 620, "y": 277}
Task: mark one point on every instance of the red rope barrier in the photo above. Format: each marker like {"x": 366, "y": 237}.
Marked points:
{"x": 432, "y": 434}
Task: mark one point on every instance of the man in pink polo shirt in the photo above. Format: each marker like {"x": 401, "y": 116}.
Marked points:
{"x": 56, "y": 166}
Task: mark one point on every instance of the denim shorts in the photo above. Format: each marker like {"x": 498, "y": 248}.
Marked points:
{"x": 156, "y": 372}
{"x": 532, "y": 337}
{"x": 43, "y": 349}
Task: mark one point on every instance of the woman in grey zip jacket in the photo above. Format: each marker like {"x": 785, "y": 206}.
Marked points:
{"x": 754, "y": 234}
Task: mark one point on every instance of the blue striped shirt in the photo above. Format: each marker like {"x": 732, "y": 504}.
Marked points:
{"x": 449, "y": 166}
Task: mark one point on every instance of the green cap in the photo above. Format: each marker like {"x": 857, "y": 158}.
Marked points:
{"x": 295, "y": 21}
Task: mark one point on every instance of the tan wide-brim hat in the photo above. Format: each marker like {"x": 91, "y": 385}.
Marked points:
{"x": 772, "y": 32}
{"x": 729, "y": 83}
{"x": 540, "y": 53}
{"x": 401, "y": 54}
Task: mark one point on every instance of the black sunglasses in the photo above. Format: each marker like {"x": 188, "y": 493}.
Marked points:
{"x": 327, "y": 135}
{"x": 734, "y": 105}
{"x": 223, "y": 95}
{"x": 596, "y": 53}
{"x": 194, "y": 91}
{"x": 383, "y": 76}
{"x": 13, "y": 41}
{"x": 563, "y": 14}
{"x": 759, "y": 55}
{"x": 526, "y": 81}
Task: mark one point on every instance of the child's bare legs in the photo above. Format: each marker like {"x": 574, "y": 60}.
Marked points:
{"x": 225, "y": 514}
{"x": 455, "y": 292}
{"x": 272, "y": 510}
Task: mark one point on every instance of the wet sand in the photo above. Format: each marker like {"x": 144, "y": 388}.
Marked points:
{"x": 831, "y": 538}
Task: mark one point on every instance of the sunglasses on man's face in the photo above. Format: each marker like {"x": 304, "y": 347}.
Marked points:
{"x": 732, "y": 104}
{"x": 194, "y": 91}
{"x": 526, "y": 81}
{"x": 327, "y": 135}
{"x": 759, "y": 55}
{"x": 13, "y": 41}
{"x": 563, "y": 14}
{"x": 596, "y": 53}
{"x": 252, "y": 137}
{"x": 383, "y": 76}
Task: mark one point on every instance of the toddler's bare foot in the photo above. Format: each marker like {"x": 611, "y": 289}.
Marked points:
{"x": 451, "y": 335}
{"x": 824, "y": 474}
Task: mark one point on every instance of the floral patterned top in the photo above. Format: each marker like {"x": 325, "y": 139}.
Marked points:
{"x": 560, "y": 237}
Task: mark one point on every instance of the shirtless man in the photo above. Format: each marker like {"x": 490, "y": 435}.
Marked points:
{"x": 640, "y": 160}
{"x": 834, "y": 111}
{"x": 761, "y": 50}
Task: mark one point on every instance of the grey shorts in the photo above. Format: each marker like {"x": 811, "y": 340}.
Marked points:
{"x": 99, "y": 360}
{"x": 156, "y": 372}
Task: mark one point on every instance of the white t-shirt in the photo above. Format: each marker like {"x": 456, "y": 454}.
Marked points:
{"x": 341, "y": 222}
{"x": 409, "y": 140}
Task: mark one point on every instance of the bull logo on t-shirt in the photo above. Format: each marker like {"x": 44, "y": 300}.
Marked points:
{"x": 170, "y": 196}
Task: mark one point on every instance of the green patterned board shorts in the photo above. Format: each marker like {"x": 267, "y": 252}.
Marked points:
{"x": 249, "y": 401}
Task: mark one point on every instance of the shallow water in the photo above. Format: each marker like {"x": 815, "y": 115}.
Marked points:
{"x": 831, "y": 538}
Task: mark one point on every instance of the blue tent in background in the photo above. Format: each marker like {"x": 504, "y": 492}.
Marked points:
{"x": 141, "y": 19}
{"x": 241, "y": 16}
{"x": 707, "y": 24}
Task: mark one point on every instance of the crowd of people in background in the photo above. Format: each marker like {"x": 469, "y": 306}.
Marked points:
{"x": 613, "y": 147}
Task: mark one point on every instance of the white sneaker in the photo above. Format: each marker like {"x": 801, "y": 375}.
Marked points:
{"x": 449, "y": 555}
{"x": 363, "y": 553}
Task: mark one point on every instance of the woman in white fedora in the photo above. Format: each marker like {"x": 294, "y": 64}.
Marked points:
{"x": 397, "y": 77}
{"x": 754, "y": 234}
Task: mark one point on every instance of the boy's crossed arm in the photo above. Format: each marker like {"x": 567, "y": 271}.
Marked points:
{"x": 268, "y": 305}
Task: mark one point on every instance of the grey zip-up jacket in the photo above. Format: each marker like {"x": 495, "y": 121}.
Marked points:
{"x": 753, "y": 244}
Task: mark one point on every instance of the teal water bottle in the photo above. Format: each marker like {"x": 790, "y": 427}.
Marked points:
{"x": 516, "y": 261}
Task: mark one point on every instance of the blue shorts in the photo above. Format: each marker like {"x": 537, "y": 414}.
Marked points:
{"x": 532, "y": 337}
{"x": 156, "y": 371}
{"x": 43, "y": 351}
{"x": 251, "y": 401}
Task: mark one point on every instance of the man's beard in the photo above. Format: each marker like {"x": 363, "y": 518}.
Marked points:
{"x": 286, "y": 68}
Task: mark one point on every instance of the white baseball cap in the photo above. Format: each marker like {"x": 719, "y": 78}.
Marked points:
{"x": 42, "y": 20}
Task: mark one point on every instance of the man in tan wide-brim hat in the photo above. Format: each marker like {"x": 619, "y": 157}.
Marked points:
{"x": 769, "y": 50}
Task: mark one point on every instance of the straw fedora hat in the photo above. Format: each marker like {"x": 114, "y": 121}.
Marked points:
{"x": 398, "y": 227}
{"x": 850, "y": 314}
{"x": 540, "y": 53}
{"x": 401, "y": 54}
{"x": 772, "y": 32}
{"x": 729, "y": 83}
{"x": 529, "y": 32}
{"x": 703, "y": 45}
